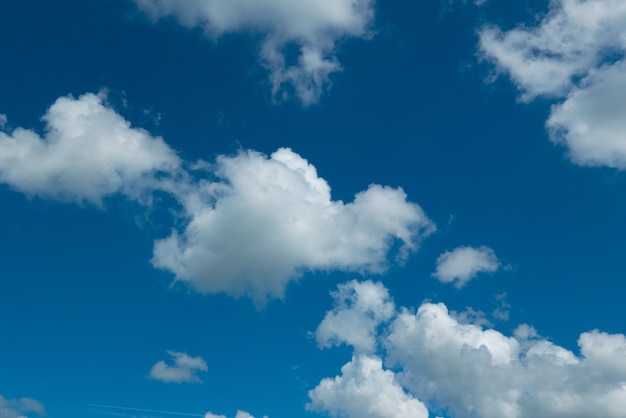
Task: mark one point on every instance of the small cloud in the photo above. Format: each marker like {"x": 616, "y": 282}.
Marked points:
{"x": 464, "y": 263}
{"x": 471, "y": 316}
{"x": 16, "y": 408}
{"x": 3, "y": 120}
{"x": 240, "y": 414}
{"x": 184, "y": 369}
{"x": 502, "y": 311}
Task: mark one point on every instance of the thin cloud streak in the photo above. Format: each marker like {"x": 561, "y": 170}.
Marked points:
{"x": 145, "y": 410}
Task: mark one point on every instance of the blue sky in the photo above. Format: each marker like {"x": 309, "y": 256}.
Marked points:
{"x": 340, "y": 208}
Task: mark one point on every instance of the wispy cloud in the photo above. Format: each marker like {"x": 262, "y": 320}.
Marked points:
{"x": 16, "y": 408}
{"x": 313, "y": 26}
{"x": 153, "y": 411}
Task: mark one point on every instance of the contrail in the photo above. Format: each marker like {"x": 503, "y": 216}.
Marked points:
{"x": 145, "y": 410}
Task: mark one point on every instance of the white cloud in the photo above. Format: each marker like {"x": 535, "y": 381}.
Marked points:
{"x": 240, "y": 414}
{"x": 314, "y": 26}
{"x": 573, "y": 38}
{"x": 87, "y": 153}
{"x": 477, "y": 372}
{"x": 365, "y": 390}
{"x": 254, "y": 223}
{"x": 471, "y": 371}
{"x": 184, "y": 369}
{"x": 591, "y": 122}
{"x": 360, "y": 307}
{"x": 464, "y": 263}
{"x": 574, "y": 53}
{"x": 3, "y": 120}
{"x": 16, "y": 408}
{"x": 270, "y": 219}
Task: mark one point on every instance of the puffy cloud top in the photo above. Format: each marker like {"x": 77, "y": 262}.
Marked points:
{"x": 87, "y": 153}
{"x": 472, "y": 371}
{"x": 272, "y": 218}
{"x": 365, "y": 390}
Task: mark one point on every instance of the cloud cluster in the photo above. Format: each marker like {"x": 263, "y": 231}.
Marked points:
{"x": 269, "y": 219}
{"x": 462, "y": 264}
{"x": 576, "y": 53}
{"x": 253, "y": 223}
{"x": 313, "y": 26}
{"x": 184, "y": 370}
{"x": 16, "y": 408}
{"x": 471, "y": 371}
{"x": 88, "y": 152}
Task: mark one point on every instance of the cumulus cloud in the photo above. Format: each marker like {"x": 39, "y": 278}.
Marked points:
{"x": 272, "y": 218}
{"x": 576, "y": 53}
{"x": 462, "y": 264}
{"x": 88, "y": 152}
{"x": 360, "y": 307}
{"x": 471, "y": 371}
{"x": 17, "y": 408}
{"x": 483, "y": 372}
{"x": 313, "y": 26}
{"x": 591, "y": 122}
{"x": 184, "y": 370}
{"x": 365, "y": 390}
{"x": 251, "y": 223}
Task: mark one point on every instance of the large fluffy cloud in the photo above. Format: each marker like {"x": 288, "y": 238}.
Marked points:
{"x": 365, "y": 390}
{"x": 17, "y": 408}
{"x": 184, "y": 369}
{"x": 88, "y": 152}
{"x": 462, "y": 264}
{"x": 253, "y": 223}
{"x": 575, "y": 52}
{"x": 270, "y": 219}
{"x": 314, "y": 26}
{"x": 472, "y": 371}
